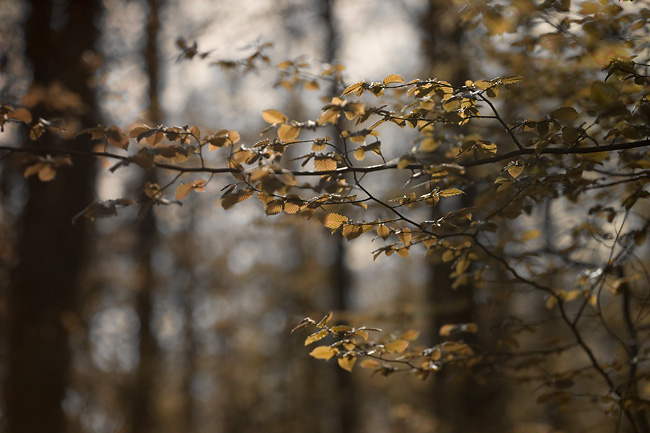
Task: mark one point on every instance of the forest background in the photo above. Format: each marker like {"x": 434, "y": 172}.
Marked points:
{"x": 516, "y": 299}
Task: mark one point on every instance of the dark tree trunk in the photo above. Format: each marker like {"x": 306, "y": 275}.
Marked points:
{"x": 45, "y": 283}
{"x": 345, "y": 392}
{"x": 142, "y": 404}
{"x": 460, "y": 402}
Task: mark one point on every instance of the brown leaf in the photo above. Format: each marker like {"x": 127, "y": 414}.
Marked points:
{"x": 21, "y": 114}
{"x": 397, "y": 346}
{"x": 117, "y": 138}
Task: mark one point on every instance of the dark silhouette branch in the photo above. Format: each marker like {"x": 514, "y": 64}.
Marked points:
{"x": 348, "y": 169}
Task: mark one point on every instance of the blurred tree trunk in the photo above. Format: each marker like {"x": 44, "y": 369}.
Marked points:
{"x": 45, "y": 283}
{"x": 460, "y": 402}
{"x": 142, "y": 397}
{"x": 345, "y": 393}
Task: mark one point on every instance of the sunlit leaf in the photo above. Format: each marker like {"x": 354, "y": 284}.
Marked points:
{"x": 274, "y": 207}
{"x": 347, "y": 363}
{"x": 403, "y": 251}
{"x": 353, "y": 88}
{"x": 369, "y": 363}
{"x": 515, "y": 170}
{"x": 334, "y": 220}
{"x": 393, "y": 79}
{"x": 288, "y": 133}
{"x": 383, "y": 231}
{"x": 274, "y": 116}
{"x": 450, "y": 192}
{"x": 324, "y": 163}
{"x": 397, "y": 346}
{"x": 324, "y": 352}
{"x": 46, "y": 173}
{"x": 316, "y": 336}
{"x": 323, "y": 322}
{"x": 410, "y": 335}
{"x": 182, "y": 191}
{"x": 529, "y": 235}
{"x": 304, "y": 322}
{"x": 511, "y": 80}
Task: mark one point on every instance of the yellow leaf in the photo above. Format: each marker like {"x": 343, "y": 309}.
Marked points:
{"x": 36, "y": 131}
{"x": 359, "y": 153}
{"x": 383, "y": 231}
{"x": 199, "y": 185}
{"x": 312, "y": 85}
{"x": 324, "y": 320}
{"x": 448, "y": 256}
{"x": 352, "y": 231}
{"x": 362, "y": 334}
{"x": 572, "y": 295}
{"x": 394, "y": 78}
{"x": 515, "y": 171}
{"x": 353, "y": 88}
{"x": 512, "y": 80}
{"x": 47, "y": 173}
{"x": 529, "y": 235}
{"x": 397, "y": 346}
{"x": 33, "y": 169}
{"x": 324, "y": 352}
{"x": 318, "y": 145}
{"x": 347, "y": 363}
{"x": 136, "y": 131}
{"x": 274, "y": 207}
{"x": 233, "y": 136}
{"x": 316, "y": 336}
{"x": 450, "y": 192}
{"x": 447, "y": 330}
{"x": 341, "y": 328}
{"x": 288, "y": 133}
{"x": 550, "y": 302}
{"x": 334, "y": 220}
{"x": 596, "y": 156}
{"x": 410, "y": 335}
{"x": 403, "y": 252}
{"x": 274, "y": 116}
{"x": 285, "y": 64}
{"x": 429, "y": 145}
{"x": 329, "y": 116}
{"x": 324, "y": 163}
{"x": 369, "y": 363}
{"x": 405, "y": 236}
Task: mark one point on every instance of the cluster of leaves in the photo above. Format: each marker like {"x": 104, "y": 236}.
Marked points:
{"x": 391, "y": 354}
